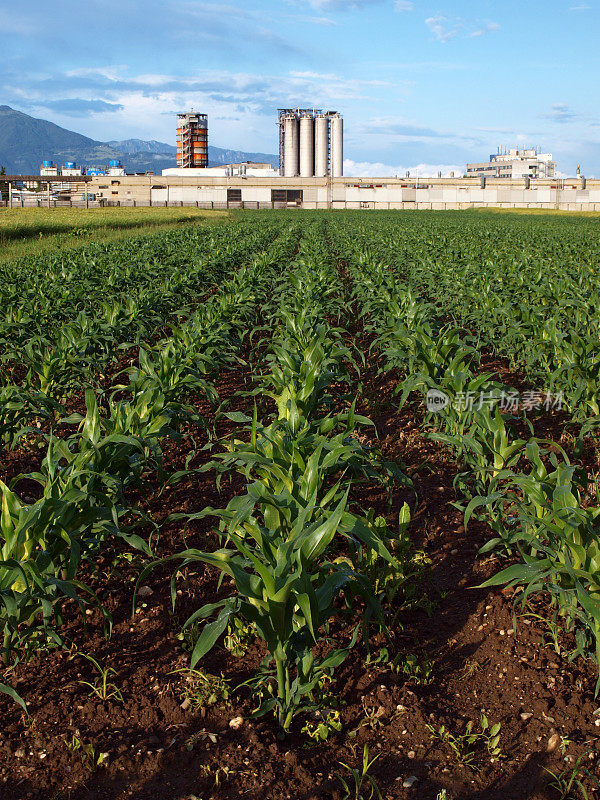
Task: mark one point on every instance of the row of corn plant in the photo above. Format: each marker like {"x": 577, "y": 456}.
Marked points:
{"x": 530, "y": 494}
{"x": 87, "y": 477}
{"x": 66, "y": 354}
{"x": 525, "y": 286}
{"x": 195, "y": 348}
{"x": 293, "y": 547}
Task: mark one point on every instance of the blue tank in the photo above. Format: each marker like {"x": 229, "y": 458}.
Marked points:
{"x": 70, "y": 164}
{"x": 114, "y": 163}
{"x": 46, "y": 163}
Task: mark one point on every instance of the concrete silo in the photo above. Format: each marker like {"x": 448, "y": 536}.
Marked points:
{"x": 337, "y": 145}
{"x": 311, "y": 143}
{"x": 291, "y": 145}
{"x": 307, "y": 145}
{"x": 321, "y": 146}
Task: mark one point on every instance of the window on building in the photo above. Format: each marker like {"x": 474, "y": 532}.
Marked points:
{"x": 234, "y": 195}
{"x": 115, "y": 183}
{"x": 287, "y": 195}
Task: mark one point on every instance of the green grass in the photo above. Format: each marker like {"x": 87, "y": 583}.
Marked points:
{"x": 34, "y": 231}
{"x": 534, "y": 211}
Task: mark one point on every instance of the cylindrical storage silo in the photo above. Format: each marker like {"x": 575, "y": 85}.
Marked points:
{"x": 337, "y": 146}
{"x": 321, "y": 145}
{"x": 307, "y": 146}
{"x": 291, "y": 146}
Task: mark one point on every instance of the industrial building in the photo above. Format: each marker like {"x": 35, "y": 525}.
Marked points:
{"x": 268, "y": 192}
{"x": 192, "y": 140}
{"x": 310, "y": 176}
{"x": 254, "y": 191}
{"x": 70, "y": 169}
{"x": 48, "y": 168}
{"x": 515, "y": 163}
{"x": 246, "y": 168}
{"x": 311, "y": 143}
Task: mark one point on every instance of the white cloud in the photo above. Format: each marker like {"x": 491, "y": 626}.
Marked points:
{"x": 439, "y": 27}
{"x": 110, "y": 73}
{"x": 561, "y": 113}
{"x": 489, "y": 27}
{"x": 339, "y": 5}
{"x": 403, "y": 5}
{"x": 15, "y": 24}
{"x": 368, "y": 169}
{"x": 242, "y": 106}
{"x": 202, "y": 7}
{"x": 326, "y": 21}
{"x": 445, "y": 29}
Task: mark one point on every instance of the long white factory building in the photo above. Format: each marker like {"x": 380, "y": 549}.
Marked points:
{"x": 245, "y": 190}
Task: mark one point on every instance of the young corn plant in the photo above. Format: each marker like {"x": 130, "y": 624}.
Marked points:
{"x": 557, "y": 540}
{"x": 37, "y": 571}
{"x": 361, "y": 785}
{"x": 279, "y": 538}
{"x": 305, "y": 363}
{"x": 102, "y": 687}
{"x": 23, "y": 412}
{"x": 469, "y": 746}
{"x": 569, "y": 783}
{"x": 285, "y": 585}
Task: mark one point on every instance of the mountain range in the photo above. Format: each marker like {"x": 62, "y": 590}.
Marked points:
{"x": 26, "y": 141}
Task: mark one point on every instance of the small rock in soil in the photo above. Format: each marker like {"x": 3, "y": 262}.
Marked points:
{"x": 553, "y": 743}
{"x": 236, "y": 723}
{"x": 409, "y": 782}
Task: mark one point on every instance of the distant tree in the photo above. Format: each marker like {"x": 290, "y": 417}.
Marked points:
{"x": 3, "y": 185}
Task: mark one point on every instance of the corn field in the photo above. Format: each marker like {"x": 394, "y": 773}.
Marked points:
{"x": 295, "y": 488}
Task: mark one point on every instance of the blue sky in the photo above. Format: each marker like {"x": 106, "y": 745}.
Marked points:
{"x": 421, "y": 83}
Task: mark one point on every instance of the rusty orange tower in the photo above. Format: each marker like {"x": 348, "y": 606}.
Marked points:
{"x": 192, "y": 139}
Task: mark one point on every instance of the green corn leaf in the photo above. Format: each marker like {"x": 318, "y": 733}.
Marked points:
{"x": 15, "y": 696}
{"x": 316, "y": 542}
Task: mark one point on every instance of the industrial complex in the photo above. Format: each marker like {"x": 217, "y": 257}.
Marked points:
{"x": 310, "y": 175}
{"x": 515, "y": 163}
